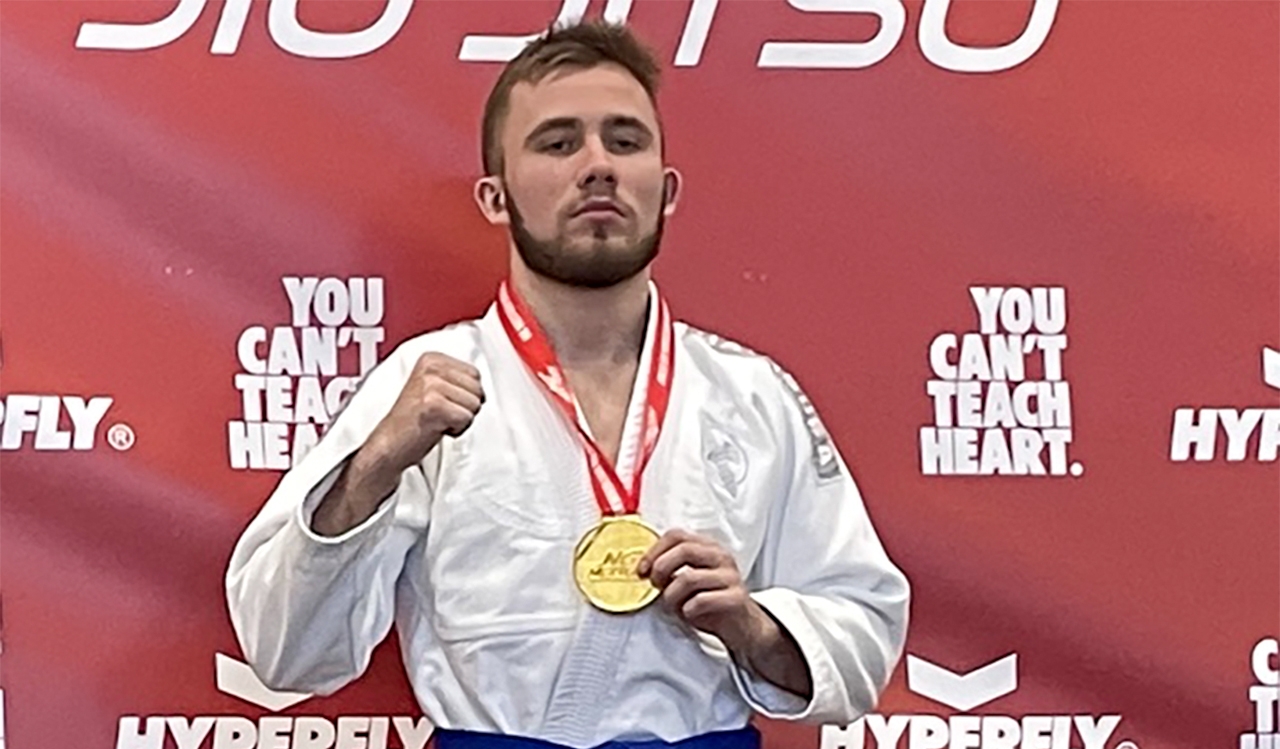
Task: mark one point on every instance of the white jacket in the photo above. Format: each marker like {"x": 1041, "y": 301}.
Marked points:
{"x": 471, "y": 558}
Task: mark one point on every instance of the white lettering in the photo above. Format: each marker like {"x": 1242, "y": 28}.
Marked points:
{"x": 300, "y": 292}
{"x": 138, "y": 36}
{"x": 367, "y": 339}
{"x": 1051, "y": 348}
{"x": 987, "y": 302}
{"x": 412, "y": 736}
{"x": 19, "y": 418}
{"x": 273, "y": 732}
{"x": 234, "y": 732}
{"x": 1037, "y": 732}
{"x": 973, "y": 358}
{"x": 283, "y": 357}
{"x": 1269, "y": 435}
{"x": 1186, "y": 432}
{"x": 367, "y": 302}
{"x": 275, "y": 445}
{"x": 942, "y": 393}
{"x": 941, "y": 51}
{"x": 349, "y": 733}
{"x": 1238, "y": 425}
{"x": 887, "y": 730}
{"x": 312, "y": 733}
{"x": 128, "y": 737}
{"x": 1264, "y": 701}
{"x": 294, "y": 38}
{"x": 1000, "y": 732}
{"x": 85, "y": 418}
{"x": 244, "y": 443}
{"x": 320, "y": 351}
{"x": 936, "y": 451}
{"x": 247, "y": 349}
{"x": 189, "y": 735}
{"x": 1050, "y": 309}
{"x": 1093, "y": 733}
{"x": 279, "y": 398}
{"x": 839, "y": 55}
{"x": 1007, "y": 362}
{"x": 927, "y": 732}
{"x": 1015, "y": 310}
{"x": 938, "y": 357}
{"x": 1267, "y": 650}
{"x": 48, "y": 436}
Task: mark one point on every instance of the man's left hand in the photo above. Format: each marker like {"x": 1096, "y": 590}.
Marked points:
{"x": 701, "y": 584}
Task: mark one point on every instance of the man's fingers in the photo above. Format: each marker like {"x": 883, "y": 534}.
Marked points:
{"x": 692, "y": 581}
{"x": 455, "y": 371}
{"x": 705, "y": 602}
{"x": 668, "y": 539}
{"x": 686, "y": 554}
{"x": 451, "y": 393}
{"x": 467, "y": 380}
{"x": 456, "y": 419}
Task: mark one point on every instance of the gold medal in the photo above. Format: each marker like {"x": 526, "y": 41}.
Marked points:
{"x": 604, "y": 564}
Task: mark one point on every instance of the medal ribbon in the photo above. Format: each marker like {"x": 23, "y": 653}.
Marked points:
{"x": 535, "y": 350}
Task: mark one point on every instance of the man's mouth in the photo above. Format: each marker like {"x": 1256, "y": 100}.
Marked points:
{"x": 597, "y": 207}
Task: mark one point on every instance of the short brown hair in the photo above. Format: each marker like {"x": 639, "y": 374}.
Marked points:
{"x": 580, "y": 45}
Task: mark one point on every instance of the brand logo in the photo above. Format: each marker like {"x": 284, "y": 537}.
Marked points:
{"x": 58, "y": 422}
{"x": 290, "y": 35}
{"x": 724, "y": 458}
{"x": 965, "y": 692}
{"x": 1265, "y": 696}
{"x": 269, "y": 731}
{"x": 1199, "y": 428}
{"x": 617, "y": 565}
{"x": 291, "y": 385}
{"x": 1001, "y": 402}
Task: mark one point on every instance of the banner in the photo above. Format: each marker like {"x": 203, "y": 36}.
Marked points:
{"x": 1023, "y": 255}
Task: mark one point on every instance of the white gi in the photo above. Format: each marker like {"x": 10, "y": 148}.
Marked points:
{"x": 471, "y": 557}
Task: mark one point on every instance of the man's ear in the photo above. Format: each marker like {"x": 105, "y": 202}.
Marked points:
{"x": 672, "y": 186}
{"x": 491, "y": 197}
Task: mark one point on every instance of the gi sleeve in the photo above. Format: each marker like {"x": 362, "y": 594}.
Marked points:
{"x": 824, "y": 576}
{"x": 308, "y": 610}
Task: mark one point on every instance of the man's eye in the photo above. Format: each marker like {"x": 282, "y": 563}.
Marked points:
{"x": 558, "y": 146}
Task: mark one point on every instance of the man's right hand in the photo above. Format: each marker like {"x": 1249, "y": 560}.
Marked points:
{"x": 441, "y": 397}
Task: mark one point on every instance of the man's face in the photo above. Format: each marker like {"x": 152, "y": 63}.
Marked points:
{"x": 583, "y": 176}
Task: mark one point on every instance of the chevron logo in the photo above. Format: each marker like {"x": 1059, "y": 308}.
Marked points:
{"x": 1199, "y": 433}
{"x": 963, "y": 691}
{"x": 237, "y": 679}
{"x": 1271, "y": 367}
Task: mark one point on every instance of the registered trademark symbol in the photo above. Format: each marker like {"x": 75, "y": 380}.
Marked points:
{"x": 121, "y": 436}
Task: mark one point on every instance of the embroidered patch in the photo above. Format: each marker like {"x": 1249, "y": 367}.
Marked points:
{"x": 824, "y": 458}
{"x": 724, "y": 459}
{"x": 824, "y": 451}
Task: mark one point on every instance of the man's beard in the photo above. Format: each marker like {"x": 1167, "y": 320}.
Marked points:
{"x": 597, "y": 268}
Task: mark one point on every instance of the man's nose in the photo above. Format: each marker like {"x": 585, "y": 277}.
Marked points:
{"x": 598, "y": 171}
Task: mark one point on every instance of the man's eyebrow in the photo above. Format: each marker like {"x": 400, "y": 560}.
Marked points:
{"x": 555, "y": 123}
{"x": 625, "y": 120}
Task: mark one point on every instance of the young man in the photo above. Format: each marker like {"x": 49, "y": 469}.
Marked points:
{"x": 483, "y": 488}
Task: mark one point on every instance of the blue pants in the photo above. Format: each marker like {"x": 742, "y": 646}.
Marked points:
{"x": 743, "y": 738}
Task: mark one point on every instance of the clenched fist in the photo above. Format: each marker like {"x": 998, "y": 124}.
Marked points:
{"x": 441, "y": 397}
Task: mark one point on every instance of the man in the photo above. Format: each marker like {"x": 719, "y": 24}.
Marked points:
{"x": 482, "y": 489}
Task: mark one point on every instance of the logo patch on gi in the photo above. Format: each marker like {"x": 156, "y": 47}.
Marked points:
{"x": 824, "y": 452}
{"x": 724, "y": 459}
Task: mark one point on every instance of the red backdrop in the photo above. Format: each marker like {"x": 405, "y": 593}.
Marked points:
{"x": 153, "y": 200}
